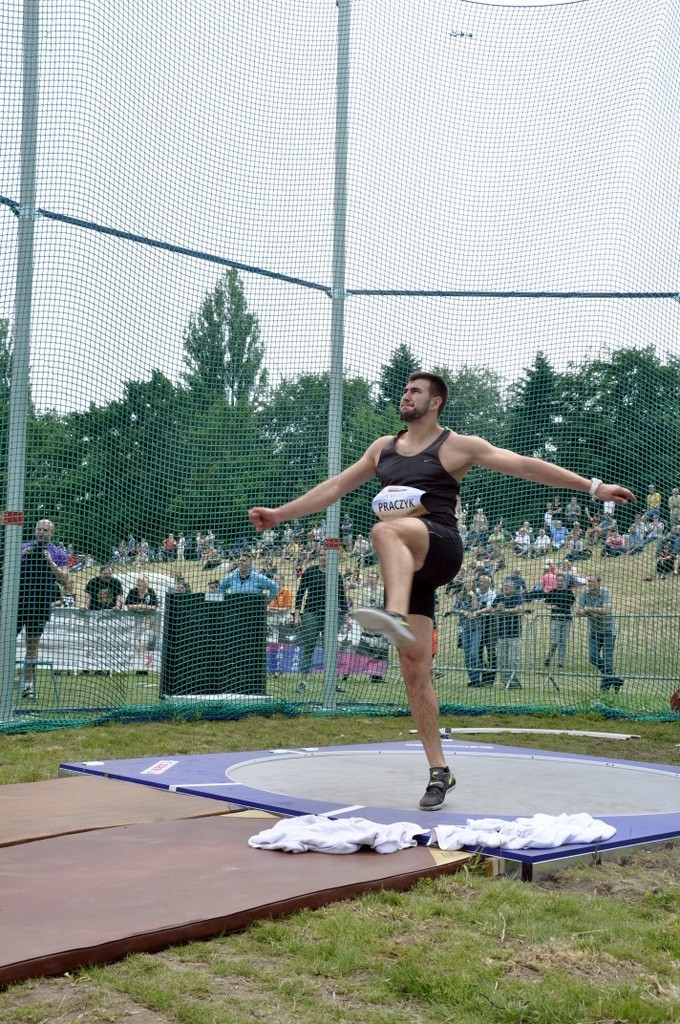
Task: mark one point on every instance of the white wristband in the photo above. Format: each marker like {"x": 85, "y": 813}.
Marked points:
{"x": 594, "y": 484}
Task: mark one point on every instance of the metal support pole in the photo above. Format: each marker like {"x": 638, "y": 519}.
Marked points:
{"x": 337, "y": 346}
{"x": 19, "y": 392}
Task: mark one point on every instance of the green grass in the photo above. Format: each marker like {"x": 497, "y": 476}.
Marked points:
{"x": 592, "y": 944}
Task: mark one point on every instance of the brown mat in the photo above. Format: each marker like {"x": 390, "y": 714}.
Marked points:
{"x": 75, "y": 900}
{"x": 37, "y": 810}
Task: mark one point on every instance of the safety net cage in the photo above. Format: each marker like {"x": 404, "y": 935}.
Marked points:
{"x": 228, "y": 235}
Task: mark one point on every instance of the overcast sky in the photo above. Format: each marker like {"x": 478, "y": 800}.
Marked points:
{"x": 490, "y": 147}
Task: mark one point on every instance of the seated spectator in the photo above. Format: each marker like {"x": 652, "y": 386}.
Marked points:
{"x": 497, "y": 535}
{"x": 575, "y": 541}
{"x": 522, "y": 543}
{"x": 180, "y": 585}
{"x": 633, "y": 544}
{"x": 594, "y": 531}
{"x": 496, "y": 557}
{"x": 664, "y": 564}
{"x": 283, "y": 602}
{"x": 614, "y": 544}
{"x": 103, "y": 592}
{"x": 210, "y": 559}
{"x": 142, "y": 597}
{"x": 542, "y": 544}
{"x": 558, "y": 535}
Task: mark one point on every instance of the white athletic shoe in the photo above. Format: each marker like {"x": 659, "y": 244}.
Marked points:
{"x": 390, "y": 624}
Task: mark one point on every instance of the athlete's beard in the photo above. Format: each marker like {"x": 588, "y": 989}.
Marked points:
{"x": 410, "y": 415}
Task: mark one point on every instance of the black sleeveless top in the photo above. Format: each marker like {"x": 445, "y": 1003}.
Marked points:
{"x": 426, "y": 472}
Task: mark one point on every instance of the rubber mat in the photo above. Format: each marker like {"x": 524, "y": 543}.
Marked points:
{"x": 95, "y": 896}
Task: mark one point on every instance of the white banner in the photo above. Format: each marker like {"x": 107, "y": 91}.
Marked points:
{"x": 107, "y": 641}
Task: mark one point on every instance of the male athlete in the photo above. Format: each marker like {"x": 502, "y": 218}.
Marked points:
{"x": 419, "y": 554}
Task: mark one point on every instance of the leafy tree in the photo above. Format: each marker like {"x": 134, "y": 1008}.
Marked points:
{"x": 223, "y": 352}
{"x": 394, "y": 375}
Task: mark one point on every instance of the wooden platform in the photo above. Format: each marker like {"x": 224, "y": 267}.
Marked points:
{"x": 93, "y": 869}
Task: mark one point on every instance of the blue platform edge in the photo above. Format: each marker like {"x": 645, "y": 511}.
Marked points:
{"x": 202, "y": 775}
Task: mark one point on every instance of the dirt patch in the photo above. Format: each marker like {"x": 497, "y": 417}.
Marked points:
{"x": 630, "y": 875}
{"x": 68, "y": 1000}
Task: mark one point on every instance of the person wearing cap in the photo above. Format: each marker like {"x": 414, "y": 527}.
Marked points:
{"x": 653, "y": 502}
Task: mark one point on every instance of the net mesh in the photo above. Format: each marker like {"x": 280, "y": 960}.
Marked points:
{"x": 512, "y": 224}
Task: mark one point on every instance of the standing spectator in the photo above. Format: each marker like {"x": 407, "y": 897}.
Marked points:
{"x": 480, "y": 527}
{"x": 310, "y": 611}
{"x": 470, "y": 631}
{"x": 170, "y": 548}
{"x": 508, "y": 608}
{"x": 43, "y": 571}
{"x": 347, "y": 533}
{"x": 244, "y": 580}
{"x": 653, "y": 502}
{"x": 548, "y": 579}
{"x": 548, "y": 517}
{"x": 181, "y": 547}
{"x": 103, "y": 592}
{"x": 361, "y": 549}
{"x": 674, "y": 507}
{"x": 595, "y": 602}
{"x": 561, "y": 601}
{"x": 486, "y": 596}
{"x": 572, "y": 512}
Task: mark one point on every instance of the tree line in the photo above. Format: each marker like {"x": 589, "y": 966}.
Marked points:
{"x": 198, "y": 453}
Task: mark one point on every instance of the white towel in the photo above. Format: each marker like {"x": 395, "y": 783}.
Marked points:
{"x": 318, "y": 834}
{"x": 543, "y": 831}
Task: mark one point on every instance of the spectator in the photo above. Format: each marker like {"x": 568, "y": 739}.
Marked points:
{"x": 571, "y": 577}
{"x": 470, "y": 634}
{"x": 480, "y": 527}
{"x": 518, "y": 582}
{"x": 508, "y": 608}
{"x": 142, "y": 597}
{"x": 674, "y": 541}
{"x": 211, "y": 560}
{"x": 181, "y": 547}
{"x": 170, "y": 548}
{"x": 653, "y": 502}
{"x": 572, "y": 512}
{"x": 347, "y": 533}
{"x": 310, "y": 611}
{"x": 548, "y": 579}
{"x": 674, "y": 507}
{"x": 561, "y": 601}
{"x": 486, "y": 596}
{"x": 283, "y": 601}
{"x": 595, "y": 602}
{"x": 522, "y": 543}
{"x": 542, "y": 544}
{"x": 180, "y": 585}
{"x": 548, "y": 517}
{"x": 558, "y": 535}
{"x": 361, "y": 549}
{"x": 497, "y": 536}
{"x": 244, "y": 580}
{"x": 614, "y": 545}
{"x": 103, "y": 593}
{"x": 664, "y": 563}
{"x": 43, "y": 571}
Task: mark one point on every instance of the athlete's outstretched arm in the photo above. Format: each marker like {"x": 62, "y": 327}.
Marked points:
{"x": 480, "y": 453}
{"x": 323, "y": 495}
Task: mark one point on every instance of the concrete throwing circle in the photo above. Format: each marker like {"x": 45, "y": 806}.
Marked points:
{"x": 490, "y": 782}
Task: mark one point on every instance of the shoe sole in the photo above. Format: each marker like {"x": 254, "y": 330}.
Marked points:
{"x": 373, "y": 620}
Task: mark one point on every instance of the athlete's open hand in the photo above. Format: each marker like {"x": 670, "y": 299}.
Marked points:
{"x": 263, "y": 518}
{"x": 612, "y": 492}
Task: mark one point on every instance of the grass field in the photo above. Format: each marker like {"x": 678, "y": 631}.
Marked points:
{"x": 593, "y": 944}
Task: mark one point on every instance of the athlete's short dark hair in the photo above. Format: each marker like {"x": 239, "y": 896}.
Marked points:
{"x": 438, "y": 387}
